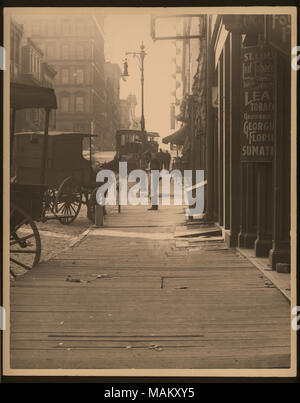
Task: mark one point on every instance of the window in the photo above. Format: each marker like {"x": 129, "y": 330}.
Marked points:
{"x": 65, "y": 52}
{"x": 35, "y": 28}
{"x": 80, "y": 51}
{"x": 65, "y": 76}
{"x": 12, "y": 47}
{"x": 50, "y": 51}
{"x": 80, "y": 27}
{"x": 79, "y": 76}
{"x": 80, "y": 127}
{"x": 17, "y": 49}
{"x": 65, "y": 104}
{"x": 79, "y": 103}
{"x": 66, "y": 27}
{"x": 51, "y": 28}
{"x": 34, "y": 115}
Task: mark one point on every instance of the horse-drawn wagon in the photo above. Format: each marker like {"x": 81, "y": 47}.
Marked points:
{"x": 50, "y": 178}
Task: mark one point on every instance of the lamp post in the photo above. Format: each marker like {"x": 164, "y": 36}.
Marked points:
{"x": 141, "y": 56}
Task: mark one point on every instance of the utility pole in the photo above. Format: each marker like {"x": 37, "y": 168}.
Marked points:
{"x": 141, "y": 56}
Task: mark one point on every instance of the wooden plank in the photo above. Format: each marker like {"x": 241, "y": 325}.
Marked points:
{"x": 257, "y": 336}
{"x": 132, "y": 358}
{"x": 223, "y": 317}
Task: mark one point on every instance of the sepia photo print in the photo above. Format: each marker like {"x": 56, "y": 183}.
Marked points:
{"x": 150, "y": 191}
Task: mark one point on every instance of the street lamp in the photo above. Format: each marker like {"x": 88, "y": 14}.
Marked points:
{"x": 141, "y": 56}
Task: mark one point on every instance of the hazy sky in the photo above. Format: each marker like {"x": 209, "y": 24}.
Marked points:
{"x": 124, "y": 33}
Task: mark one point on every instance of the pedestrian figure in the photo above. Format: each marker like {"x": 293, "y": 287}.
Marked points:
{"x": 161, "y": 157}
{"x": 155, "y": 165}
{"x": 167, "y": 160}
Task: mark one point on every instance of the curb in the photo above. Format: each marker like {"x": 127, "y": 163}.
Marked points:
{"x": 261, "y": 267}
{"x": 73, "y": 243}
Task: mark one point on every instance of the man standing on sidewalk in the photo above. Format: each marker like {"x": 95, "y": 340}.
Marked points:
{"x": 154, "y": 165}
{"x": 167, "y": 160}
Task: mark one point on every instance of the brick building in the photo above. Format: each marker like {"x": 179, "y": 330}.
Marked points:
{"x": 112, "y": 74}
{"x": 28, "y": 66}
{"x": 128, "y": 120}
{"x": 74, "y": 45}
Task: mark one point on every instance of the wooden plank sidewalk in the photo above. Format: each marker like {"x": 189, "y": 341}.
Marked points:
{"x": 126, "y": 297}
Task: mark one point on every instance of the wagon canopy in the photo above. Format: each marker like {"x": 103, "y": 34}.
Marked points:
{"x": 31, "y": 96}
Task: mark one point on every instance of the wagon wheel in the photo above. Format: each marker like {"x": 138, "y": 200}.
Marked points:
{"x": 25, "y": 242}
{"x": 68, "y": 201}
{"x": 48, "y": 202}
{"x": 91, "y": 206}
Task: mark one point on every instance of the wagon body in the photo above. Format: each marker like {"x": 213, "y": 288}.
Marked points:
{"x": 131, "y": 145}
{"x": 64, "y": 158}
{"x": 29, "y": 198}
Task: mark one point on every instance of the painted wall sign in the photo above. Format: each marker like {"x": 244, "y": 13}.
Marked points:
{"x": 279, "y": 32}
{"x": 246, "y": 24}
{"x": 257, "y": 131}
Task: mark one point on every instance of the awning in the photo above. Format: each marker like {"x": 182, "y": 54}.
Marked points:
{"x": 55, "y": 133}
{"x": 31, "y": 96}
{"x": 177, "y": 137}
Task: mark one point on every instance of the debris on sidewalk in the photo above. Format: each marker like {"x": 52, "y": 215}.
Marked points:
{"x": 79, "y": 280}
{"x": 73, "y": 280}
{"x": 268, "y": 284}
{"x": 155, "y": 347}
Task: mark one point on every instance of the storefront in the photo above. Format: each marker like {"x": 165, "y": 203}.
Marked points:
{"x": 248, "y": 137}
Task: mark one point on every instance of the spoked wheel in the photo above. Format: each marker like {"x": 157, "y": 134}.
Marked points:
{"x": 25, "y": 242}
{"x": 48, "y": 203}
{"x": 68, "y": 201}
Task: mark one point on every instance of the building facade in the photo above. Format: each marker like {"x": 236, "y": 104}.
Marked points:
{"x": 128, "y": 119}
{"x": 249, "y": 143}
{"x": 237, "y": 114}
{"x": 112, "y": 105}
{"x": 75, "y": 47}
{"x": 28, "y": 66}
